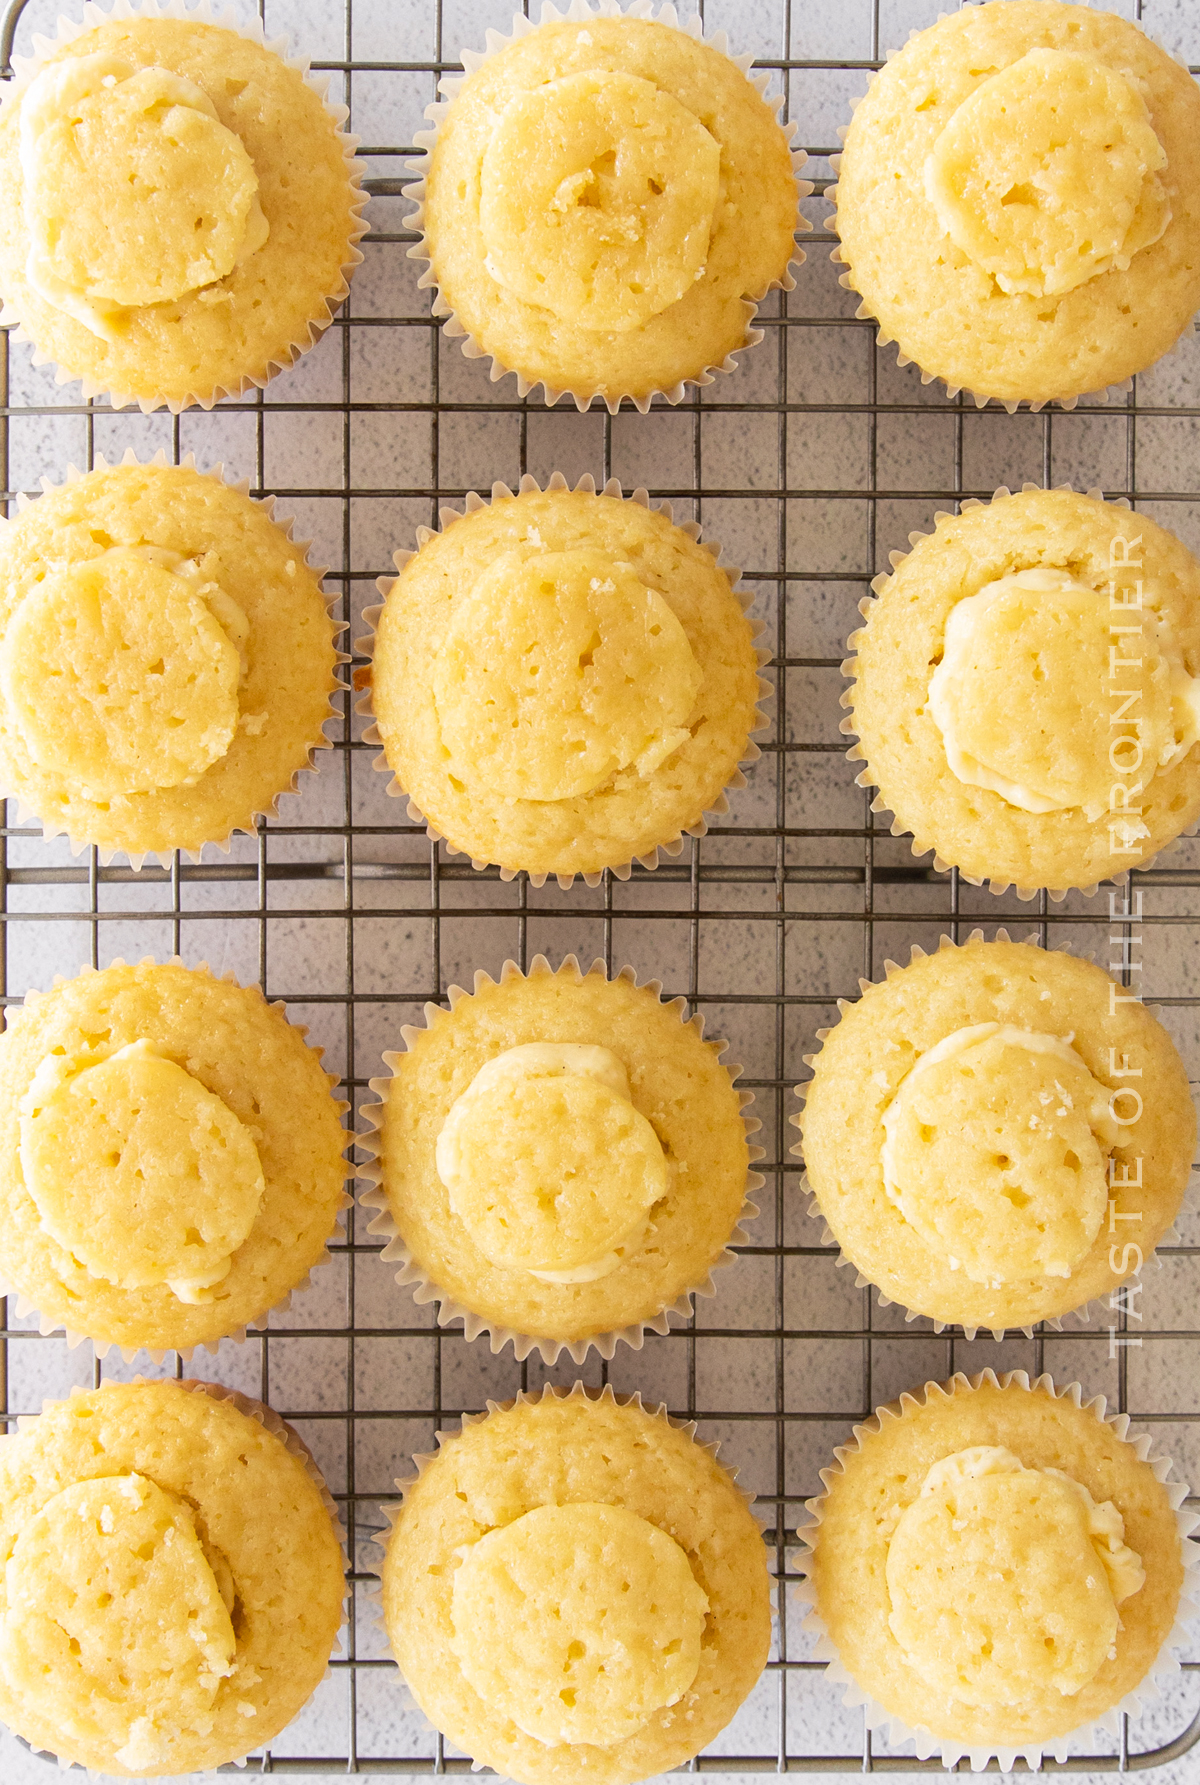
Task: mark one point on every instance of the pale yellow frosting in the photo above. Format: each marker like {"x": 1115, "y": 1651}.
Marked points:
{"x": 598, "y": 197}
{"x": 996, "y": 1149}
{"x": 549, "y": 1165}
{"x": 134, "y": 192}
{"x": 1048, "y": 172}
{"x": 140, "y": 1172}
{"x": 1004, "y": 1579}
{"x": 578, "y": 1622}
{"x": 1036, "y": 672}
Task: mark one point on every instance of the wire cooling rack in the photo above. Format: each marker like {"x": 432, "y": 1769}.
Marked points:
{"x": 811, "y": 463}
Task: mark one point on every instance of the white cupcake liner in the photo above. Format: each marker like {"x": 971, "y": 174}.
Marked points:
{"x": 856, "y": 753}
{"x": 425, "y": 1290}
{"x": 26, "y": 67}
{"x": 580, "y": 12}
{"x": 390, "y": 1510}
{"x": 672, "y": 846}
{"x": 1098, "y": 1308}
{"x": 278, "y": 1428}
{"x": 1101, "y": 396}
{"x": 1133, "y": 1704}
{"x": 248, "y": 824}
{"x": 237, "y": 1335}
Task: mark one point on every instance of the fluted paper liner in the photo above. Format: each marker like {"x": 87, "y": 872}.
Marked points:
{"x": 425, "y": 1290}
{"x": 278, "y": 1428}
{"x": 579, "y": 12}
{"x": 237, "y": 1335}
{"x": 285, "y": 523}
{"x": 1100, "y": 396}
{"x": 864, "y": 778}
{"x": 26, "y": 67}
{"x": 1098, "y": 1308}
{"x": 1135, "y": 1702}
{"x": 365, "y": 646}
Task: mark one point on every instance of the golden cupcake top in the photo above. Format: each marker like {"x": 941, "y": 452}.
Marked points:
{"x": 1048, "y": 174}
{"x": 173, "y": 1584}
{"x": 138, "y": 1170}
{"x": 1024, "y": 692}
{"x": 578, "y": 1622}
{"x": 996, "y": 1150}
{"x": 559, "y": 1156}
{"x": 135, "y": 193}
{"x": 997, "y": 1134}
{"x": 574, "y": 1589}
{"x": 549, "y": 1165}
{"x": 173, "y": 1163}
{"x": 166, "y": 658}
{"x": 563, "y": 682}
{"x": 559, "y": 670}
{"x": 1005, "y": 1580}
{"x": 1016, "y": 200}
{"x": 185, "y": 209}
{"x": 997, "y": 1564}
{"x": 602, "y": 197}
{"x": 1026, "y": 689}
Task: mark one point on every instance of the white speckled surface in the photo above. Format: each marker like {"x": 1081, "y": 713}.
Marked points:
{"x": 808, "y": 553}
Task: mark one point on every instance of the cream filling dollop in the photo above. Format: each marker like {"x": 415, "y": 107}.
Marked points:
{"x": 597, "y": 199}
{"x": 138, "y": 1170}
{"x": 1004, "y": 1579}
{"x": 117, "y": 1622}
{"x": 122, "y": 672}
{"x": 995, "y": 1151}
{"x": 549, "y": 1165}
{"x": 1034, "y": 668}
{"x": 558, "y": 672}
{"x": 134, "y": 192}
{"x": 578, "y": 1622}
{"x": 1048, "y": 174}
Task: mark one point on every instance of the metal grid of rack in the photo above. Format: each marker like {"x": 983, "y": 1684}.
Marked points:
{"x": 812, "y": 462}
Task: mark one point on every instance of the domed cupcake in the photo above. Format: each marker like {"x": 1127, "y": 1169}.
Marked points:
{"x": 996, "y": 1134}
{"x": 998, "y": 1567}
{"x": 601, "y": 197}
{"x": 174, "y": 1580}
{"x": 166, "y": 659}
{"x": 1026, "y": 690}
{"x": 171, "y": 1159}
{"x": 183, "y": 208}
{"x": 564, "y": 682}
{"x": 575, "y": 1589}
{"x": 1018, "y": 200}
{"x": 560, "y": 1159}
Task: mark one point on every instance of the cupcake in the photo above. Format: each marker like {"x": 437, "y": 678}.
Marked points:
{"x": 998, "y": 1568}
{"x": 996, "y": 1135}
{"x": 600, "y": 198}
{"x": 1018, "y": 200}
{"x": 564, "y": 682}
{"x": 183, "y": 208}
{"x": 171, "y": 1159}
{"x": 1026, "y": 690}
{"x": 575, "y": 1589}
{"x": 560, "y": 1159}
{"x": 166, "y": 659}
{"x": 174, "y": 1580}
